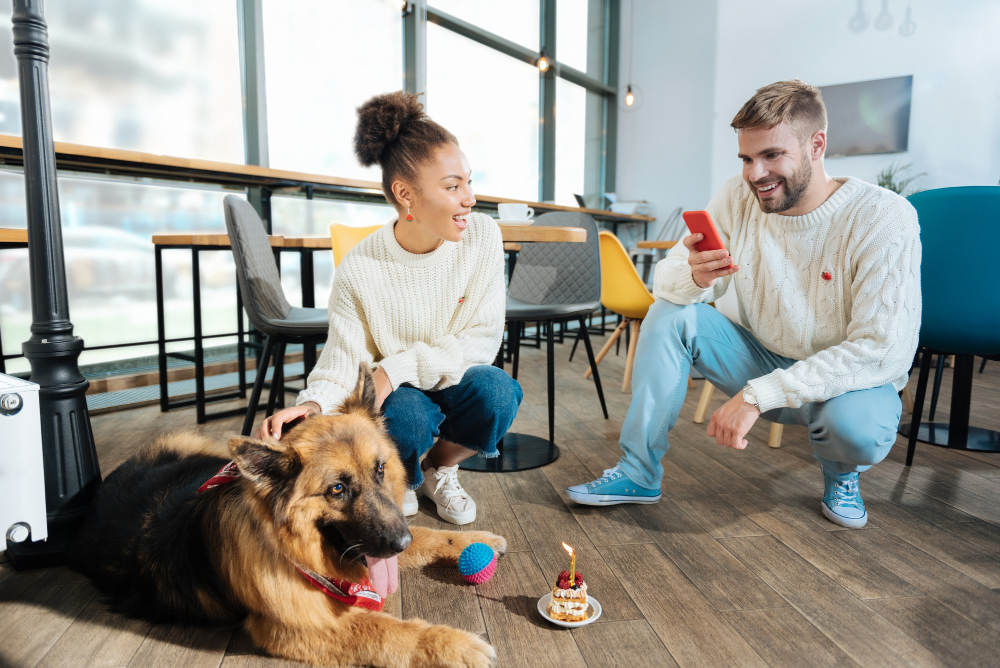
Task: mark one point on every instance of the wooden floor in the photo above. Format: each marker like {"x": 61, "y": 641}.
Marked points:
{"x": 734, "y": 567}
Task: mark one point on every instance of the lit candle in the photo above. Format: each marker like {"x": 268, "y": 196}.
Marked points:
{"x": 572, "y": 564}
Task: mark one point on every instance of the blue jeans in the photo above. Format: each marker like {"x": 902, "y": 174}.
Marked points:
{"x": 475, "y": 414}
{"x": 847, "y": 433}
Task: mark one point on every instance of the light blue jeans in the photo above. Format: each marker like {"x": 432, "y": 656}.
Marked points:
{"x": 847, "y": 433}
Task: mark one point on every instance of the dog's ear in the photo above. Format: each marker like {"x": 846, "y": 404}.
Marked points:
{"x": 363, "y": 399}
{"x": 262, "y": 462}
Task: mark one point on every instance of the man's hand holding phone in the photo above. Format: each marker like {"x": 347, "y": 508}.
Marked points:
{"x": 708, "y": 266}
{"x": 707, "y": 255}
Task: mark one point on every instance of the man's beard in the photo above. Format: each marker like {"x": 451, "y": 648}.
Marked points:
{"x": 794, "y": 190}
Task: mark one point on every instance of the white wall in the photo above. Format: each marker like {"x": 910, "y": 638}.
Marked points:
{"x": 954, "y": 57}
{"x": 698, "y": 62}
{"x": 664, "y": 148}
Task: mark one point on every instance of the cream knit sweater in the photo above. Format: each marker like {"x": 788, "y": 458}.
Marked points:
{"x": 424, "y": 319}
{"x": 854, "y": 331}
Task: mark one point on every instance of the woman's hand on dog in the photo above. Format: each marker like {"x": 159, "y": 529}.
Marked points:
{"x": 271, "y": 427}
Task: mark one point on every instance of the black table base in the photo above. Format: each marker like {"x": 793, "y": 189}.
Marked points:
{"x": 936, "y": 433}
{"x": 518, "y": 452}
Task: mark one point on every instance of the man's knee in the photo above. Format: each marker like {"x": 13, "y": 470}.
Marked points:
{"x": 861, "y": 430}
{"x": 667, "y": 318}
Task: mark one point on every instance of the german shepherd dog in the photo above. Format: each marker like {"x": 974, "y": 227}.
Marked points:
{"x": 320, "y": 501}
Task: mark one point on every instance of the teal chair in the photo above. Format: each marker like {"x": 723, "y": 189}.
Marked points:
{"x": 961, "y": 304}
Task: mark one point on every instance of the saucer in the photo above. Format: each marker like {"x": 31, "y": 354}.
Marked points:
{"x": 529, "y": 221}
{"x": 593, "y": 612}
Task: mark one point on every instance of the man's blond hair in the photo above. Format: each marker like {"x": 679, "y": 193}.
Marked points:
{"x": 794, "y": 102}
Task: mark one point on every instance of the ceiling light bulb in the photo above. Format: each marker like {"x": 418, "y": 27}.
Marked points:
{"x": 859, "y": 21}
{"x": 543, "y": 64}
{"x": 907, "y": 27}
{"x": 629, "y": 97}
{"x": 883, "y": 20}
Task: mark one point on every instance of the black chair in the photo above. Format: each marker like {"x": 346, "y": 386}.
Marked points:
{"x": 552, "y": 283}
{"x": 265, "y": 303}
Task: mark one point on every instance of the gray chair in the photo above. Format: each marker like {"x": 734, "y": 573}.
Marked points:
{"x": 265, "y": 303}
{"x": 556, "y": 282}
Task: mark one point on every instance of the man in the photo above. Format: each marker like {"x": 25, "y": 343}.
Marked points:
{"x": 827, "y": 275}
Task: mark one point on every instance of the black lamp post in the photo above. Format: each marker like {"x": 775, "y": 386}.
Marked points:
{"x": 72, "y": 473}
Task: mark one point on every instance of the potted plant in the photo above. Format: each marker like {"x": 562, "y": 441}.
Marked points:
{"x": 894, "y": 178}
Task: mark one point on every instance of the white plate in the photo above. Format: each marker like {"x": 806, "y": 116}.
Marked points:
{"x": 515, "y": 222}
{"x": 593, "y": 610}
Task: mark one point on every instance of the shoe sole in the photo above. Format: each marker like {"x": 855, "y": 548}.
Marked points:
{"x": 610, "y": 499}
{"x": 848, "y": 522}
{"x": 468, "y": 517}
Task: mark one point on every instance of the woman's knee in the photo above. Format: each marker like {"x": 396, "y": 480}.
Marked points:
{"x": 492, "y": 389}
{"x": 411, "y": 419}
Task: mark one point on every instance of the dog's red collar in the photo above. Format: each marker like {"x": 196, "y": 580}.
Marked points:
{"x": 358, "y": 594}
{"x": 226, "y": 474}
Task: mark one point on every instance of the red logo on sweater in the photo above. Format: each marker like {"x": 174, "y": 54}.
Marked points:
{"x": 827, "y": 276}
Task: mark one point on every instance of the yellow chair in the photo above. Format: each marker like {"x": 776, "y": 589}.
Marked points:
{"x": 622, "y": 292}
{"x": 345, "y": 237}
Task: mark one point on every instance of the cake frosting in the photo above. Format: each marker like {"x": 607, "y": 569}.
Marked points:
{"x": 569, "y": 600}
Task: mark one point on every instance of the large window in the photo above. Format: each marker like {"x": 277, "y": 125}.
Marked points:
{"x": 322, "y": 60}
{"x": 106, "y": 228}
{"x": 159, "y": 76}
{"x": 489, "y": 101}
{"x": 516, "y": 20}
{"x": 168, "y": 77}
{"x": 580, "y": 35}
{"x": 530, "y": 132}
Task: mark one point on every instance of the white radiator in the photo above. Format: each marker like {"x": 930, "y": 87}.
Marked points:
{"x": 22, "y": 477}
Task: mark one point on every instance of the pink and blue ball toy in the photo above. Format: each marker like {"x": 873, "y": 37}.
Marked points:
{"x": 477, "y": 563}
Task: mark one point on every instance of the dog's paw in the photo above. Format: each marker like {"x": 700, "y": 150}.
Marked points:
{"x": 442, "y": 646}
{"x": 498, "y": 543}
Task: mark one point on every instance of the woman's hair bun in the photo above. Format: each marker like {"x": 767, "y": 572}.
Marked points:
{"x": 381, "y": 120}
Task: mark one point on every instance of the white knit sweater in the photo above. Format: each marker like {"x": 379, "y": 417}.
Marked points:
{"x": 854, "y": 331}
{"x": 424, "y": 319}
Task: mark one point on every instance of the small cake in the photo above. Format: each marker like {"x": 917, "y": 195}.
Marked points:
{"x": 569, "y": 600}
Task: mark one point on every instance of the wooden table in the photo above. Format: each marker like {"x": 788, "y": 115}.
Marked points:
{"x": 13, "y": 238}
{"x": 657, "y": 247}
{"x": 10, "y": 238}
{"x": 118, "y": 162}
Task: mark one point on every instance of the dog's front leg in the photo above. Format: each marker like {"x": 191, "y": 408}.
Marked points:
{"x": 365, "y": 638}
{"x": 433, "y": 546}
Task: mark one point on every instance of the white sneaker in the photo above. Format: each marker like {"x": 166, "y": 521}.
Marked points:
{"x": 410, "y": 504}
{"x": 453, "y": 504}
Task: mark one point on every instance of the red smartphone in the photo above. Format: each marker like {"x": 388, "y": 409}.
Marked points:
{"x": 699, "y": 222}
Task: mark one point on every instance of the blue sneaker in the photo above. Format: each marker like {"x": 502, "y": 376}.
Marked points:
{"x": 842, "y": 502}
{"x": 612, "y": 488}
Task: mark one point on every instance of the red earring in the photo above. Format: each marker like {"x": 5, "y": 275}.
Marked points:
{"x": 409, "y": 216}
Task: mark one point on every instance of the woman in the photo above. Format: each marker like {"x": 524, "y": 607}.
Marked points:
{"x": 423, "y": 300}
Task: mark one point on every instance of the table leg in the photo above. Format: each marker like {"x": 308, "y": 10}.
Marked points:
{"x": 308, "y": 301}
{"x": 518, "y": 452}
{"x": 161, "y": 337}
{"x": 199, "y": 351}
{"x": 957, "y": 434}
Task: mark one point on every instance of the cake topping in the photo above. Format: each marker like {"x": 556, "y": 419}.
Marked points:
{"x": 564, "y": 583}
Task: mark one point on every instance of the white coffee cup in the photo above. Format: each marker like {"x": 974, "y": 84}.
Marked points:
{"x": 515, "y": 211}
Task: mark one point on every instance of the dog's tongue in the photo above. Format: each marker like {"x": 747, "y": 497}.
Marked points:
{"x": 384, "y": 575}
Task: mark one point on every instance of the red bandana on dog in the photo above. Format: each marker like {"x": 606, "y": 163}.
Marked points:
{"x": 358, "y": 594}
